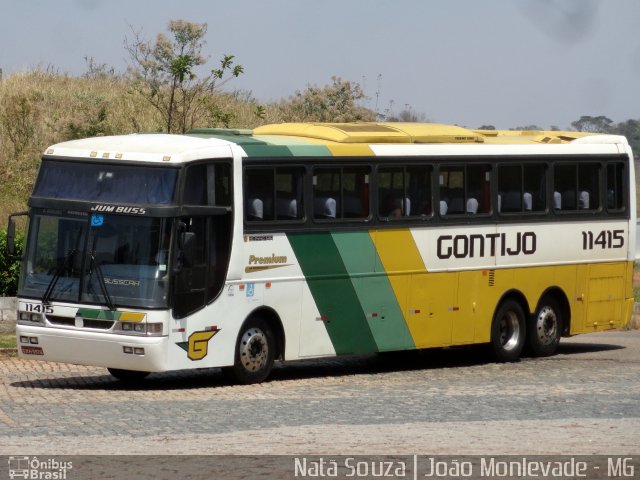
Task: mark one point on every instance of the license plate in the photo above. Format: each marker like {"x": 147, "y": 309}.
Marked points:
{"x": 32, "y": 350}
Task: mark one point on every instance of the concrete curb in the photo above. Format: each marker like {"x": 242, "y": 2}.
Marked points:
{"x": 634, "y": 323}
{"x": 8, "y": 308}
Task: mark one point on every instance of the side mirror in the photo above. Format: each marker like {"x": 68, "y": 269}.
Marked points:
{"x": 11, "y": 237}
{"x": 11, "y": 233}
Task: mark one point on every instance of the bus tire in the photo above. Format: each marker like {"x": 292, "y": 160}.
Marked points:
{"x": 127, "y": 375}
{"x": 255, "y": 353}
{"x": 508, "y": 330}
{"x": 545, "y": 328}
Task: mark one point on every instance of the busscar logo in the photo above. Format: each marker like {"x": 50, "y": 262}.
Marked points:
{"x": 258, "y": 264}
{"x": 258, "y": 238}
{"x": 48, "y": 469}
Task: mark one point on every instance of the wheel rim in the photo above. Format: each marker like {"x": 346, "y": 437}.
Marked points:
{"x": 509, "y": 331}
{"x": 547, "y": 326}
{"x": 254, "y": 350}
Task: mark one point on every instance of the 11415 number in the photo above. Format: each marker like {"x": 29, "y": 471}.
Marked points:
{"x": 604, "y": 239}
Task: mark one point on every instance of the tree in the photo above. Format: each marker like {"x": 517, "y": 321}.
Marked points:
{"x": 599, "y": 124}
{"x": 165, "y": 73}
{"x": 631, "y": 130}
{"x": 528, "y": 128}
{"x": 336, "y": 102}
{"x": 407, "y": 115}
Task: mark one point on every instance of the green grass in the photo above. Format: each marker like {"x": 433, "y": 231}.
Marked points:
{"x": 7, "y": 340}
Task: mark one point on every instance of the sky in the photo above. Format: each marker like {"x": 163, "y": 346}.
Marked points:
{"x": 506, "y": 63}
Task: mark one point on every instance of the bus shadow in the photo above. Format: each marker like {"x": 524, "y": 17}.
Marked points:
{"x": 432, "y": 359}
{"x": 575, "y": 348}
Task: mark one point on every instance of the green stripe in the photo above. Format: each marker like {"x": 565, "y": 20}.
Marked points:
{"x": 333, "y": 292}
{"x": 374, "y": 291}
{"x": 265, "y": 146}
{"x": 310, "y": 151}
{"x": 298, "y": 147}
{"x": 97, "y": 314}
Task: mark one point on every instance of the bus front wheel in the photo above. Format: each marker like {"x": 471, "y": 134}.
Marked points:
{"x": 508, "y": 331}
{"x": 545, "y": 328}
{"x": 255, "y": 353}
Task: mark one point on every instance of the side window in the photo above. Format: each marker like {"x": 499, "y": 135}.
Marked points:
{"x": 589, "y": 186}
{"x": 404, "y": 192}
{"x": 341, "y": 192}
{"x": 273, "y": 194}
{"x": 219, "y": 184}
{"x": 615, "y": 187}
{"x": 208, "y": 184}
{"x": 289, "y": 196}
{"x": 535, "y": 187}
{"x": 465, "y": 190}
{"x": 191, "y": 281}
{"x": 259, "y": 188}
{"x": 202, "y": 258}
{"x": 327, "y": 193}
{"x": 576, "y": 187}
{"x": 521, "y": 188}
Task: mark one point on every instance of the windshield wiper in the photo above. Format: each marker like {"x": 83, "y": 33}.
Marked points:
{"x": 93, "y": 265}
{"x": 66, "y": 264}
{"x": 103, "y": 285}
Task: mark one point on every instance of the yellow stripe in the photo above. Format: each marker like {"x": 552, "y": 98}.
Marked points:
{"x": 401, "y": 260}
{"x": 398, "y": 251}
{"x": 347, "y": 150}
{"x": 131, "y": 316}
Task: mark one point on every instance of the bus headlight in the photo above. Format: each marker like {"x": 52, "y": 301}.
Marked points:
{"x": 139, "y": 328}
{"x": 28, "y": 317}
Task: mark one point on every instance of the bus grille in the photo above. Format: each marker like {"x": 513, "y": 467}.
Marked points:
{"x": 84, "y": 322}
{"x": 100, "y": 324}
{"x": 61, "y": 320}
{"x": 492, "y": 278}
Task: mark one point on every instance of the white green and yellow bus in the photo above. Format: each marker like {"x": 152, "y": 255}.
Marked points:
{"x": 237, "y": 248}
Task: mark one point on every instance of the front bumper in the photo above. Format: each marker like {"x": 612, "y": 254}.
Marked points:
{"x": 93, "y": 348}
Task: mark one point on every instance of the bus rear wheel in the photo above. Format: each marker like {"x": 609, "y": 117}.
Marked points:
{"x": 508, "y": 331}
{"x": 127, "y": 375}
{"x": 545, "y": 328}
{"x": 255, "y": 353}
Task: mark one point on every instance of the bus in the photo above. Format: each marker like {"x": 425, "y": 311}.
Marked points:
{"x": 238, "y": 248}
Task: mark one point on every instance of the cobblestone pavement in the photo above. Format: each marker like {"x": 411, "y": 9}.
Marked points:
{"x": 584, "y": 400}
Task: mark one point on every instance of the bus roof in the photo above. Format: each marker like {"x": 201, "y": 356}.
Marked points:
{"x": 396, "y": 133}
{"x": 303, "y": 139}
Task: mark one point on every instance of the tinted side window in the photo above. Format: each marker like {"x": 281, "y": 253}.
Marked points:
{"x": 404, "y": 192}
{"x": 576, "y": 187}
{"x": 465, "y": 190}
{"x": 259, "y": 188}
{"x": 341, "y": 192}
{"x": 615, "y": 186}
{"x": 208, "y": 184}
{"x": 274, "y": 194}
{"x": 521, "y": 188}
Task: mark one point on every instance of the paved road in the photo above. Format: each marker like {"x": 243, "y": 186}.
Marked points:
{"x": 584, "y": 400}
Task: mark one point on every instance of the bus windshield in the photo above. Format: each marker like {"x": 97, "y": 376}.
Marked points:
{"x": 139, "y": 185}
{"x": 101, "y": 259}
